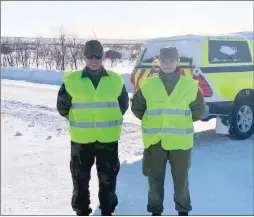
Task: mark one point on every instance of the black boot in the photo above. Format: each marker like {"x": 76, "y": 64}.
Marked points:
{"x": 106, "y": 214}
{"x": 182, "y": 213}
{"x": 84, "y": 213}
{"x": 156, "y": 214}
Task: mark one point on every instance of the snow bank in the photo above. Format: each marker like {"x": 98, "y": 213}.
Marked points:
{"x": 33, "y": 75}
{"x": 51, "y": 77}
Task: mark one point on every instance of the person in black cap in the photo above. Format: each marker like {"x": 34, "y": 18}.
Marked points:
{"x": 94, "y": 101}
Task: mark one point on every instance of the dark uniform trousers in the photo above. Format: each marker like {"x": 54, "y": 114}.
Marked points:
{"x": 154, "y": 167}
{"x": 107, "y": 163}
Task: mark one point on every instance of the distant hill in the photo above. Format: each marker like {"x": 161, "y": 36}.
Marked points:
{"x": 248, "y": 34}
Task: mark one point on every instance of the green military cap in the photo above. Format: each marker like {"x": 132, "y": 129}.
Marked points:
{"x": 168, "y": 53}
{"x": 93, "y": 47}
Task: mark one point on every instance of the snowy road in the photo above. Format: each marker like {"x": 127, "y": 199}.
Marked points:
{"x": 35, "y": 177}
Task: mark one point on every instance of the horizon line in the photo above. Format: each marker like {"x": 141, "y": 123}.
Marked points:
{"x": 131, "y": 39}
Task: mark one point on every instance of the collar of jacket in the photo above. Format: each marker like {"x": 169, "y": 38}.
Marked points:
{"x": 86, "y": 74}
{"x": 175, "y": 74}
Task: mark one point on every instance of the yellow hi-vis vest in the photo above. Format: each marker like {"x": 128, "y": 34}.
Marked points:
{"x": 95, "y": 114}
{"x": 168, "y": 118}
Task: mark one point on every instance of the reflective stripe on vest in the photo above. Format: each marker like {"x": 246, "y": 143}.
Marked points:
{"x": 101, "y": 124}
{"x": 168, "y": 111}
{"x": 180, "y": 112}
{"x": 84, "y": 105}
{"x": 168, "y": 130}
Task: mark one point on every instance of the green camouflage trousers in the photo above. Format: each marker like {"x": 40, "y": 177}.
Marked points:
{"x": 154, "y": 167}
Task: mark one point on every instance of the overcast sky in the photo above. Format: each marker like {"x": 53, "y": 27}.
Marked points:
{"x": 123, "y": 19}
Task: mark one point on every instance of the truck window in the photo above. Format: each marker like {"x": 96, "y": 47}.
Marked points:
{"x": 228, "y": 52}
{"x": 188, "y": 50}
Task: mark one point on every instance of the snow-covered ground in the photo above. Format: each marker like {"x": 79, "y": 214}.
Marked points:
{"x": 35, "y": 153}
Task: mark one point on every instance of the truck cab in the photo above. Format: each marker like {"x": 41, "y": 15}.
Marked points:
{"x": 222, "y": 64}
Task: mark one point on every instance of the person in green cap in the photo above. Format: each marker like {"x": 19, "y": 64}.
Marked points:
{"x": 168, "y": 104}
{"x": 94, "y": 101}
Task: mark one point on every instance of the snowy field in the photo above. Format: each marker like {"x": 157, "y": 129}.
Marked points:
{"x": 54, "y": 77}
{"x": 35, "y": 154}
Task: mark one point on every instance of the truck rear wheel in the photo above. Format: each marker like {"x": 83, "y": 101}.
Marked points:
{"x": 242, "y": 120}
